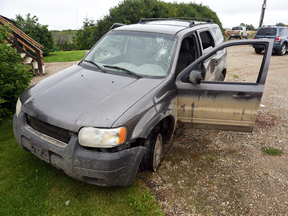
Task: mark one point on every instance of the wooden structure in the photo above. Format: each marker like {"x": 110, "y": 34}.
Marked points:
{"x": 22, "y": 42}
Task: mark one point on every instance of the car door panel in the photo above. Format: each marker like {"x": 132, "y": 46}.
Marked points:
{"x": 221, "y": 105}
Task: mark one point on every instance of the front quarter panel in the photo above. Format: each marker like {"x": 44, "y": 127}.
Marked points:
{"x": 150, "y": 110}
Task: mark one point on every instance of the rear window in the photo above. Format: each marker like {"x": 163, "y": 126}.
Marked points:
{"x": 237, "y": 28}
{"x": 267, "y": 31}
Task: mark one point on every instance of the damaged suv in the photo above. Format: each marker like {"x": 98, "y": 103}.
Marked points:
{"x": 102, "y": 119}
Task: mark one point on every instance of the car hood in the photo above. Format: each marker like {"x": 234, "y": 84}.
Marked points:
{"x": 79, "y": 97}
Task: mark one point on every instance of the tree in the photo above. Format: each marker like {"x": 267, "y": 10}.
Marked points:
{"x": 248, "y": 26}
{"x": 38, "y": 32}
{"x": 131, "y": 11}
{"x": 280, "y": 24}
{"x": 14, "y": 76}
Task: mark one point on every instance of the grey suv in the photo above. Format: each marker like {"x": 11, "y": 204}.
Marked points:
{"x": 278, "y": 33}
{"x": 105, "y": 117}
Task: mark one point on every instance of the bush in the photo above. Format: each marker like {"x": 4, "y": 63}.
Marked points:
{"x": 14, "y": 76}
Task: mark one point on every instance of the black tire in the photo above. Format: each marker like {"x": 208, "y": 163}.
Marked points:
{"x": 247, "y": 36}
{"x": 258, "y": 51}
{"x": 283, "y": 49}
{"x": 152, "y": 157}
{"x": 222, "y": 77}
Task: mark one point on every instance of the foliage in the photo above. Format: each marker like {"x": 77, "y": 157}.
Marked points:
{"x": 38, "y": 32}
{"x": 271, "y": 151}
{"x": 14, "y": 76}
{"x": 248, "y": 26}
{"x": 30, "y": 186}
{"x": 66, "y": 56}
{"x": 64, "y": 40}
{"x": 280, "y": 24}
{"x": 131, "y": 11}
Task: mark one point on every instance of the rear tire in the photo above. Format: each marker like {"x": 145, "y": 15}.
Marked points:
{"x": 258, "y": 51}
{"x": 152, "y": 157}
{"x": 283, "y": 50}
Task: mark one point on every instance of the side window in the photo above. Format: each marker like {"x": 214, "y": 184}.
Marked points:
{"x": 219, "y": 36}
{"x": 188, "y": 53}
{"x": 282, "y": 31}
{"x": 206, "y": 40}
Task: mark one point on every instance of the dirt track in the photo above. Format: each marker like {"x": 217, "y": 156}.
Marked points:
{"x": 226, "y": 173}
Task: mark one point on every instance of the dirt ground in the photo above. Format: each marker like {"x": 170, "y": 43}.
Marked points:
{"x": 222, "y": 172}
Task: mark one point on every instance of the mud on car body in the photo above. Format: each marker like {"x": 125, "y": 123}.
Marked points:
{"x": 105, "y": 117}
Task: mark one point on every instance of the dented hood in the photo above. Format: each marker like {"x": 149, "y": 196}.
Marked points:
{"x": 78, "y": 97}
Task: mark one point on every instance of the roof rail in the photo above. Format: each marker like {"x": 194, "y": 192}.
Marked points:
{"x": 116, "y": 25}
{"x": 188, "y": 19}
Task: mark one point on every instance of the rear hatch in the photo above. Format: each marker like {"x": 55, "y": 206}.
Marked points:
{"x": 266, "y": 33}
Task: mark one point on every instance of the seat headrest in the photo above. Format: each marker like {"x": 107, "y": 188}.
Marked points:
{"x": 185, "y": 45}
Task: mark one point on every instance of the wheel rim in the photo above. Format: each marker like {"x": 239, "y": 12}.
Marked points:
{"x": 157, "y": 152}
{"x": 283, "y": 49}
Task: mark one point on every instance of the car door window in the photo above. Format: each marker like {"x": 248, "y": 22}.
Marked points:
{"x": 206, "y": 40}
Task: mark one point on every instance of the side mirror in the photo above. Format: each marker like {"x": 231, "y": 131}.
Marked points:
{"x": 195, "y": 77}
{"x": 86, "y": 52}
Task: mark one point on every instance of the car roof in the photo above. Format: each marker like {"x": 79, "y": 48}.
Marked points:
{"x": 171, "y": 27}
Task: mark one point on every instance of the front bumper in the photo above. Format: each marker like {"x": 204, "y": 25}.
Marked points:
{"x": 99, "y": 168}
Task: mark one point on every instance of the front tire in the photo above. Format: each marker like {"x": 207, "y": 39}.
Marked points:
{"x": 283, "y": 49}
{"x": 258, "y": 51}
{"x": 152, "y": 157}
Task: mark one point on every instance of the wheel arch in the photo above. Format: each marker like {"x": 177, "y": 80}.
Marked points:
{"x": 164, "y": 121}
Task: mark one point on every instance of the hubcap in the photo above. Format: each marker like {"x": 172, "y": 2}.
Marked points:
{"x": 157, "y": 152}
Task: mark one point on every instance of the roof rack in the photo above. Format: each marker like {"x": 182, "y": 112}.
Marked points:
{"x": 188, "y": 19}
{"x": 116, "y": 25}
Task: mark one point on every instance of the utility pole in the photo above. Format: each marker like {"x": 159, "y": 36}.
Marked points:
{"x": 262, "y": 13}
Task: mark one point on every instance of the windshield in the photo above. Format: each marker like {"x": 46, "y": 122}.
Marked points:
{"x": 139, "y": 53}
{"x": 267, "y": 31}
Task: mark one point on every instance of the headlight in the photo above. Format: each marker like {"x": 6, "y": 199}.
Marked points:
{"x": 101, "y": 138}
{"x": 18, "y": 107}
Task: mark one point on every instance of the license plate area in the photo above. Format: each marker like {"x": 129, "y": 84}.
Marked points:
{"x": 37, "y": 150}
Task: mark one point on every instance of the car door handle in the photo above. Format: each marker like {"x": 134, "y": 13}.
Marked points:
{"x": 242, "y": 96}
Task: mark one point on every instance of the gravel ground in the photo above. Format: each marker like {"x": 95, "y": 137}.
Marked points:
{"x": 226, "y": 173}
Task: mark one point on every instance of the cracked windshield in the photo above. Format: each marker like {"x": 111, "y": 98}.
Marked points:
{"x": 138, "y": 54}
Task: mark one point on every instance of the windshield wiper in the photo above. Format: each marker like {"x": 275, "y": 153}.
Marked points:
{"x": 124, "y": 69}
{"x": 96, "y": 65}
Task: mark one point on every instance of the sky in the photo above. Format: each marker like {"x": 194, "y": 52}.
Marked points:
{"x": 70, "y": 14}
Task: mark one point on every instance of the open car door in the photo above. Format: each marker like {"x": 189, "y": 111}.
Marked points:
{"x": 231, "y": 104}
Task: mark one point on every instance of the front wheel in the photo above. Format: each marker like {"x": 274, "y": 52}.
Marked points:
{"x": 152, "y": 157}
{"x": 283, "y": 49}
{"x": 258, "y": 51}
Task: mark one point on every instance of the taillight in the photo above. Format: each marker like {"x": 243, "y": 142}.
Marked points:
{"x": 254, "y": 37}
{"x": 278, "y": 39}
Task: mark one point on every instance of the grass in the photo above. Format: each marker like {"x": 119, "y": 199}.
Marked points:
{"x": 65, "y": 56}
{"x": 29, "y": 186}
{"x": 271, "y": 151}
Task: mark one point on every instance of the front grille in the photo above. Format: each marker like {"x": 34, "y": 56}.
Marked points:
{"x": 49, "y": 130}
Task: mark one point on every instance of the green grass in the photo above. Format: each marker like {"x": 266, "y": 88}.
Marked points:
{"x": 271, "y": 151}
{"x": 29, "y": 186}
{"x": 65, "y": 56}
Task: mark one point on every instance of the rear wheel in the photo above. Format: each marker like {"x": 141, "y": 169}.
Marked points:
{"x": 152, "y": 157}
{"x": 283, "y": 50}
{"x": 258, "y": 51}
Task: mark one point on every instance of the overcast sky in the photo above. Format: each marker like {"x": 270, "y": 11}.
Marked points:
{"x": 70, "y": 14}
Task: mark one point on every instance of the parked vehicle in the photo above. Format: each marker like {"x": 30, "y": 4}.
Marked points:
{"x": 278, "y": 33}
{"x": 238, "y": 32}
{"x": 105, "y": 117}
